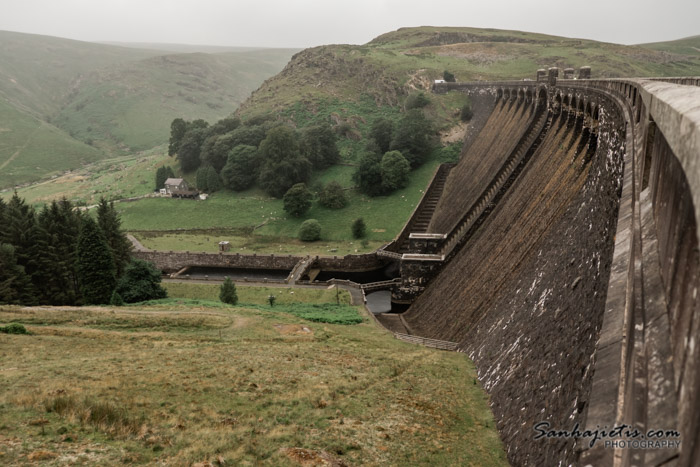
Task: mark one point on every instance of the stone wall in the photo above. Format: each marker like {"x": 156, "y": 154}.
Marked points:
{"x": 349, "y": 263}
{"x": 174, "y": 261}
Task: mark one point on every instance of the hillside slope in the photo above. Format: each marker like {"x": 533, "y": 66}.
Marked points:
{"x": 64, "y": 102}
{"x": 686, "y": 46}
{"x": 131, "y": 105}
{"x": 394, "y": 64}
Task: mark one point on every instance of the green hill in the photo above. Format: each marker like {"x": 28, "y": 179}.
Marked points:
{"x": 64, "y": 102}
{"x": 689, "y": 46}
{"x": 391, "y": 66}
{"x": 130, "y": 106}
{"x": 31, "y": 147}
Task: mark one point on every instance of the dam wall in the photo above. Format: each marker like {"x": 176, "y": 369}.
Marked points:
{"x": 575, "y": 291}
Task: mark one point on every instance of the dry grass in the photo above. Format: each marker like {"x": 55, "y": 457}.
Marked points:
{"x": 101, "y": 386}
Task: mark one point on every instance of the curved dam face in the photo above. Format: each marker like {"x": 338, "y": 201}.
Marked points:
{"x": 563, "y": 257}
{"x": 525, "y": 295}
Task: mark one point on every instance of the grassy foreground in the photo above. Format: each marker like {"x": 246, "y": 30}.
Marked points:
{"x": 177, "y": 385}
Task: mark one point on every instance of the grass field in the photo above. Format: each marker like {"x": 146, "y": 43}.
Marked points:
{"x": 239, "y": 386}
{"x": 257, "y": 295}
{"x": 254, "y": 222}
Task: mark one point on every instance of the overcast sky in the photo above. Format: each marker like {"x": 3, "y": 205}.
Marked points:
{"x": 307, "y": 23}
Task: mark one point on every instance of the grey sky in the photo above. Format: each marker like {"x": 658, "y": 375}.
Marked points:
{"x": 307, "y": 23}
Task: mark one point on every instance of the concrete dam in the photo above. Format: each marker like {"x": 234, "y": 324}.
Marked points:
{"x": 561, "y": 254}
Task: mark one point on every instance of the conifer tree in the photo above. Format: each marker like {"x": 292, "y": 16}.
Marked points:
{"x": 15, "y": 286}
{"x": 61, "y": 225}
{"x": 140, "y": 282}
{"x": 111, "y": 226}
{"x": 228, "y": 294}
{"x": 96, "y": 268}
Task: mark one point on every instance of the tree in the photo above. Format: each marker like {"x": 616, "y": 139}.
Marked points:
{"x": 241, "y": 169}
{"x": 228, "y": 294}
{"x": 201, "y": 179}
{"x": 117, "y": 241}
{"x": 282, "y": 162}
{"x": 160, "y": 178}
{"x": 225, "y": 125}
{"x": 249, "y": 135}
{"x": 297, "y": 200}
{"x": 382, "y": 132}
{"x": 177, "y": 130}
{"x": 318, "y": 145}
{"x": 359, "y": 229}
{"x": 413, "y": 137}
{"x": 140, "y": 282}
{"x": 310, "y": 231}
{"x": 216, "y": 149}
{"x": 368, "y": 175}
{"x": 61, "y": 225}
{"x": 213, "y": 180}
{"x": 395, "y": 169}
{"x": 162, "y": 174}
{"x": 15, "y": 286}
{"x": 96, "y": 269}
{"x": 23, "y": 232}
{"x": 191, "y": 147}
{"x": 448, "y": 77}
{"x": 333, "y": 196}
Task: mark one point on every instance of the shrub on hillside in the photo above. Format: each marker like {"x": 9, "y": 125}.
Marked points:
{"x": 466, "y": 113}
{"x": 14, "y": 328}
{"x": 417, "y": 100}
{"x": 359, "y": 229}
{"x": 333, "y": 196}
{"x": 297, "y": 200}
{"x": 394, "y": 169}
{"x": 310, "y": 231}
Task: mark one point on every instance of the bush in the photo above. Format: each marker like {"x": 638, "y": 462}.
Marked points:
{"x": 333, "y": 196}
{"x": 448, "y": 77}
{"x": 359, "y": 229}
{"x": 310, "y": 231}
{"x": 466, "y": 113}
{"x": 116, "y": 299}
{"x": 228, "y": 293}
{"x": 14, "y": 328}
{"x": 394, "y": 169}
{"x": 416, "y": 100}
{"x": 140, "y": 282}
{"x": 297, "y": 200}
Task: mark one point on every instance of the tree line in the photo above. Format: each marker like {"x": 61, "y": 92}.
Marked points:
{"x": 62, "y": 256}
{"x": 238, "y": 155}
